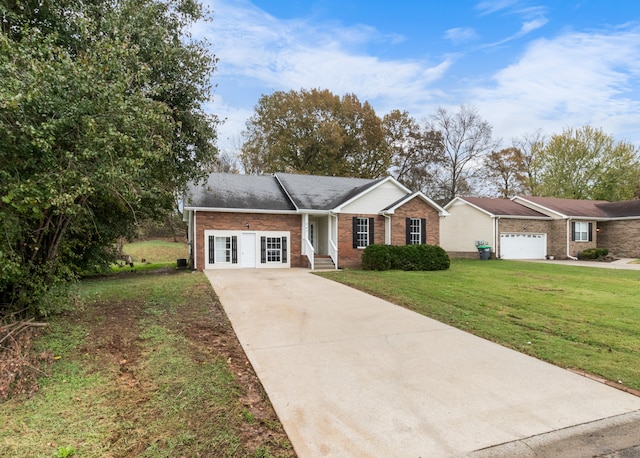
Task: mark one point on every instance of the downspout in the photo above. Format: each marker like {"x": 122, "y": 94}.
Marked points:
{"x": 573, "y": 258}
{"x": 496, "y": 232}
{"x": 387, "y": 228}
{"x": 195, "y": 241}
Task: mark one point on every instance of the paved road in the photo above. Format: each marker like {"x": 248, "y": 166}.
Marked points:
{"x": 351, "y": 375}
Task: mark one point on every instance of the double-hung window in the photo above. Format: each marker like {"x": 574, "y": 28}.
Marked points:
{"x": 581, "y": 231}
{"x": 362, "y": 232}
{"x": 416, "y": 230}
{"x": 274, "y": 249}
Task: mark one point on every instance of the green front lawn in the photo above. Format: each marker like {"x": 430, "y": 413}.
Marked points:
{"x": 575, "y": 317}
{"x": 146, "y": 366}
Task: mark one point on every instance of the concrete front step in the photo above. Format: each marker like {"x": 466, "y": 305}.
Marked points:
{"x": 322, "y": 263}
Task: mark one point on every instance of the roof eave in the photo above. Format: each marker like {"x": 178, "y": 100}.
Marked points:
{"x": 241, "y": 210}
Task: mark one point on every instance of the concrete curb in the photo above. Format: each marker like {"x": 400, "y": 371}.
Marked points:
{"x": 602, "y": 438}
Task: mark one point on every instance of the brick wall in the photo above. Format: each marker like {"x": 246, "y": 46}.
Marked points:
{"x": 556, "y": 231}
{"x": 621, "y": 238}
{"x": 347, "y": 255}
{"x": 415, "y": 208}
{"x": 257, "y": 222}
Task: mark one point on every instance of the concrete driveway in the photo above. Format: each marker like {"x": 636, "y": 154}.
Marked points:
{"x": 351, "y": 375}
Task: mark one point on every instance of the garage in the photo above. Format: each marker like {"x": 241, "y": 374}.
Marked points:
{"x": 523, "y": 246}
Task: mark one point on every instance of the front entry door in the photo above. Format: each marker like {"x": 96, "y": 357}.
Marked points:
{"x": 248, "y": 250}
{"x": 313, "y": 235}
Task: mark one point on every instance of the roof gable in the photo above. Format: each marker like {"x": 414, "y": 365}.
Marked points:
{"x": 419, "y": 195}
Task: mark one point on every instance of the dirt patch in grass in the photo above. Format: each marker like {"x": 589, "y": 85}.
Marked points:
{"x": 20, "y": 367}
{"x": 145, "y": 351}
{"x": 116, "y": 339}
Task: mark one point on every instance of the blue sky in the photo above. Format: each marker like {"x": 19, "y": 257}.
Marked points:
{"x": 524, "y": 65}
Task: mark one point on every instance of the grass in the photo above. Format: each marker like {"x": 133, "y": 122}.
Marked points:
{"x": 136, "y": 373}
{"x": 151, "y": 255}
{"x": 156, "y": 251}
{"x": 575, "y": 317}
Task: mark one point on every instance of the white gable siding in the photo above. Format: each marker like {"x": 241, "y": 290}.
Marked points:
{"x": 375, "y": 200}
{"x": 463, "y": 226}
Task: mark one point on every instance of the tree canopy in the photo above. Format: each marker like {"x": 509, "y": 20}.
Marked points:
{"x": 101, "y": 123}
{"x": 466, "y": 140}
{"x": 415, "y": 150}
{"x": 314, "y": 132}
{"x": 586, "y": 163}
{"x": 505, "y": 171}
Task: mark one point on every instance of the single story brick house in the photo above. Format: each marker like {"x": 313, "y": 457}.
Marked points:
{"x": 290, "y": 220}
{"x": 527, "y": 227}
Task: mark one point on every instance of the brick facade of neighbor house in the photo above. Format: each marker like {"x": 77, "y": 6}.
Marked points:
{"x": 576, "y": 247}
{"x": 223, "y": 221}
{"x": 555, "y": 230}
{"x": 415, "y": 208}
{"x": 526, "y": 226}
{"x": 347, "y": 255}
{"x": 621, "y": 238}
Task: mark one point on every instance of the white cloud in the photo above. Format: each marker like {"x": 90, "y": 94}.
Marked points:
{"x": 492, "y": 6}
{"x": 256, "y": 50}
{"x": 572, "y": 80}
{"x": 565, "y": 81}
{"x": 460, "y": 35}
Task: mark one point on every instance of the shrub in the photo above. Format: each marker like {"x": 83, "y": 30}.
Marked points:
{"x": 405, "y": 257}
{"x": 594, "y": 253}
{"x": 376, "y": 257}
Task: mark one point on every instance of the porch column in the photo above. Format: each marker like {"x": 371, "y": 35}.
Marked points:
{"x": 387, "y": 229}
{"x": 305, "y": 232}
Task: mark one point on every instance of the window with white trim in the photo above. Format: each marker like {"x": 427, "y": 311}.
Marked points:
{"x": 362, "y": 233}
{"x": 274, "y": 249}
{"x": 222, "y": 249}
{"x": 415, "y": 231}
{"x": 581, "y": 232}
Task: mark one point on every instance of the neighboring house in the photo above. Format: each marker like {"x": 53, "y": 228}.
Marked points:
{"x": 526, "y": 227}
{"x": 288, "y": 220}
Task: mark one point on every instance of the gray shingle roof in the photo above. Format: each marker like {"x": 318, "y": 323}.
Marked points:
{"x": 502, "y": 207}
{"x": 312, "y": 192}
{"x": 231, "y": 191}
{"x": 626, "y": 209}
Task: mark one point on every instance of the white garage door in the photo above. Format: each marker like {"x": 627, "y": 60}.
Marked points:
{"x": 523, "y": 246}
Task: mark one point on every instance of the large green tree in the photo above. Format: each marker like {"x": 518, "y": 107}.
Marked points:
{"x": 586, "y": 163}
{"x": 315, "y": 132}
{"x": 101, "y": 123}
